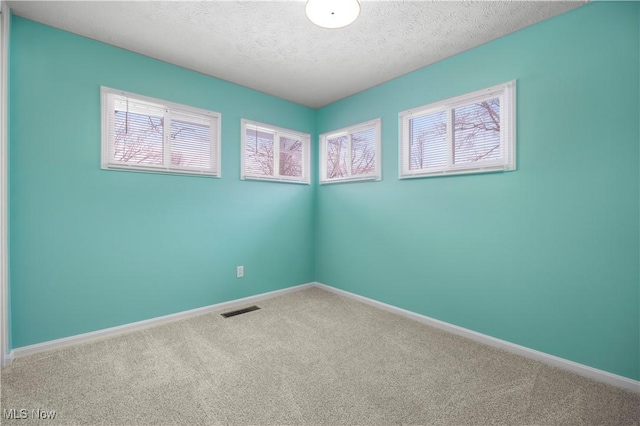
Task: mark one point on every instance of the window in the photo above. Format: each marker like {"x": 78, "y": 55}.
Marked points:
{"x": 467, "y": 134}
{"x": 146, "y": 134}
{"x": 352, "y": 153}
{"x": 272, "y": 153}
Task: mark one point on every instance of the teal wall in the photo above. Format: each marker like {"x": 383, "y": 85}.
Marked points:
{"x": 546, "y": 256}
{"x": 92, "y": 249}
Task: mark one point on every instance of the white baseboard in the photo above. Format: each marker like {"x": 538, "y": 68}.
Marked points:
{"x": 8, "y": 358}
{"x": 581, "y": 369}
{"x": 112, "y": 331}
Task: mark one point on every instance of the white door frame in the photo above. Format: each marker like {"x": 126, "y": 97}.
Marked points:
{"x": 5, "y": 356}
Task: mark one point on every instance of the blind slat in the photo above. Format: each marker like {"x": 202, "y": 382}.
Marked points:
{"x": 290, "y": 157}
{"x": 428, "y": 141}
{"x": 477, "y": 132}
{"x": 259, "y": 155}
{"x": 190, "y": 144}
{"x": 337, "y": 157}
{"x": 363, "y": 152}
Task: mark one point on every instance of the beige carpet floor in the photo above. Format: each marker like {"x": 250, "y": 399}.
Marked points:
{"x": 309, "y": 357}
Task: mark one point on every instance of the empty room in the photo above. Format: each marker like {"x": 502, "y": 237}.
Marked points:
{"x": 322, "y": 212}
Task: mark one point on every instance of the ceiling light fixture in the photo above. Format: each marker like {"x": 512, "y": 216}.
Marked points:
{"x": 333, "y": 13}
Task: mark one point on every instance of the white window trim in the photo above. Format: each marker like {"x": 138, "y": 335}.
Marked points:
{"x": 507, "y": 94}
{"x": 345, "y": 131}
{"x": 278, "y": 132}
{"x": 214, "y": 118}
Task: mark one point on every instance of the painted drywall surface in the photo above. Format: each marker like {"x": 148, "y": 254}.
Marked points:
{"x": 92, "y": 249}
{"x": 546, "y": 256}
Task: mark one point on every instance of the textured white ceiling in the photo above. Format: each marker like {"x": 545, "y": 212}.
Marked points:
{"x": 272, "y": 47}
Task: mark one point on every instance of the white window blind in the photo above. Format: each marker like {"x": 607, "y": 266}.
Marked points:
{"x": 291, "y": 157}
{"x": 259, "y": 149}
{"x": 467, "y": 134}
{"x": 145, "y": 134}
{"x": 274, "y": 153}
{"x": 352, "y": 153}
{"x": 337, "y": 153}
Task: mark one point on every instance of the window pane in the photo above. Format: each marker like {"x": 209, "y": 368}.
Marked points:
{"x": 337, "y": 157}
{"x": 258, "y": 152}
{"x": 477, "y": 132}
{"x": 428, "y": 141}
{"x": 352, "y": 153}
{"x": 363, "y": 152}
{"x": 190, "y": 144}
{"x": 290, "y": 157}
{"x": 138, "y": 138}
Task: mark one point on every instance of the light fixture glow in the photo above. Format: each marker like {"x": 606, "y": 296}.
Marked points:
{"x": 332, "y": 13}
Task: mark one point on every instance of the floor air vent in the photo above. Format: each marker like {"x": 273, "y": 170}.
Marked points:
{"x": 240, "y": 311}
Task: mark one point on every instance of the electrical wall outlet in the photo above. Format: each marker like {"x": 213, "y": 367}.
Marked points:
{"x": 240, "y": 272}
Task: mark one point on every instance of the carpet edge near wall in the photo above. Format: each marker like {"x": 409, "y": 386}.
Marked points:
{"x": 565, "y": 364}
